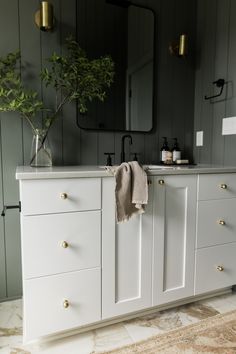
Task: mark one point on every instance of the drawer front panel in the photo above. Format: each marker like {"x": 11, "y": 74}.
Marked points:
{"x": 208, "y": 277}
{"x": 216, "y": 222}
{"x": 46, "y": 300}
{"x": 60, "y": 195}
{"x": 217, "y": 186}
{"x": 59, "y": 243}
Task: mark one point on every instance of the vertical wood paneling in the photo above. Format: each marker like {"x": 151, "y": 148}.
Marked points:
{"x": 209, "y": 44}
{"x": 218, "y": 55}
{"x": 166, "y": 71}
{"x": 71, "y": 133}
{"x": 106, "y": 144}
{"x": 230, "y": 140}
{"x": 138, "y": 147}
{"x": 51, "y": 42}
{"x": 11, "y": 140}
{"x": 117, "y": 145}
{"x": 180, "y": 75}
{"x": 31, "y": 59}
{"x": 183, "y": 122}
{"x": 88, "y": 139}
{"x": 151, "y": 140}
{"x": 13, "y": 253}
{"x": 3, "y": 288}
{"x": 89, "y": 147}
{"x": 198, "y": 98}
{"x": 221, "y": 61}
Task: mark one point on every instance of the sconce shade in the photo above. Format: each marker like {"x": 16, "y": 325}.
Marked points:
{"x": 183, "y": 45}
{"x": 44, "y": 17}
{"x": 179, "y": 48}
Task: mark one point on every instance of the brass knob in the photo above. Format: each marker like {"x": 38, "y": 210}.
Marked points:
{"x": 221, "y": 222}
{"x": 63, "y": 196}
{"x": 64, "y": 244}
{"x": 149, "y": 182}
{"x": 220, "y": 268}
{"x": 66, "y": 304}
{"x": 161, "y": 181}
{"x": 223, "y": 186}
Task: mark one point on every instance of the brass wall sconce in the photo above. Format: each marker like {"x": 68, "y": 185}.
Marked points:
{"x": 44, "y": 17}
{"x": 179, "y": 48}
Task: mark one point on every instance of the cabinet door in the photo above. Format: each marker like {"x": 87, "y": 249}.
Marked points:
{"x": 126, "y": 257}
{"x": 174, "y": 237}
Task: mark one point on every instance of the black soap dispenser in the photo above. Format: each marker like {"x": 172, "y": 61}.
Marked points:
{"x": 164, "y": 150}
{"x": 176, "y": 152}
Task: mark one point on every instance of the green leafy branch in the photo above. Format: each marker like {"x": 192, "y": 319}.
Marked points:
{"x": 73, "y": 76}
{"x": 13, "y": 95}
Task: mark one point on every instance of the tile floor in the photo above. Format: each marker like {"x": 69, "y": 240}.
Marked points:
{"x": 109, "y": 337}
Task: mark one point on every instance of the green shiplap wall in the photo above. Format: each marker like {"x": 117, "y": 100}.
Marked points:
{"x": 18, "y": 31}
{"x": 215, "y": 58}
{"x": 173, "y": 108}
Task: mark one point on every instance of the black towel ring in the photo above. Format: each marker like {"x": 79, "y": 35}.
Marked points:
{"x": 219, "y": 83}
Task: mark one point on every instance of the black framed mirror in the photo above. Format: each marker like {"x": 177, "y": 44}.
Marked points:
{"x": 126, "y": 32}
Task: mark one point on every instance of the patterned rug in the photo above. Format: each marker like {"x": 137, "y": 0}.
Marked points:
{"x": 216, "y": 334}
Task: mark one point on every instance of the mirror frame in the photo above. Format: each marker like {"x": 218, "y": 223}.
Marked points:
{"x": 154, "y": 103}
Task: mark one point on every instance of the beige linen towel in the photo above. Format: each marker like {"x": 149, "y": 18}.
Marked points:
{"x": 131, "y": 190}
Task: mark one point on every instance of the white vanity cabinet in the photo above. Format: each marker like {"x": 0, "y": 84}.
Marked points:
{"x": 126, "y": 258}
{"x": 174, "y": 213}
{"x": 81, "y": 268}
{"x": 61, "y": 254}
{"x": 215, "y": 266}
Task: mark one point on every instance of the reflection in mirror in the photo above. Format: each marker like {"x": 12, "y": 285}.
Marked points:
{"x": 126, "y": 33}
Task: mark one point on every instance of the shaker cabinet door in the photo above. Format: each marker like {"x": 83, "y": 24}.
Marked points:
{"x": 126, "y": 258}
{"x": 174, "y": 208}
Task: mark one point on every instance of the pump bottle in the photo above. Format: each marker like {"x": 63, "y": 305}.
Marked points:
{"x": 164, "y": 150}
{"x": 176, "y": 153}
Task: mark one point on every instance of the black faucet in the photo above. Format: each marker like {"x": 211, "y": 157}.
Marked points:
{"x": 122, "y": 156}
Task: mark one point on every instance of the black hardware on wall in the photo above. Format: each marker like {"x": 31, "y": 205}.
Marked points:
{"x": 135, "y": 154}
{"x": 109, "y": 159}
{"x": 3, "y": 213}
{"x": 219, "y": 83}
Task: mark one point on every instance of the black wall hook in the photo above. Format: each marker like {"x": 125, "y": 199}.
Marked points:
{"x": 219, "y": 83}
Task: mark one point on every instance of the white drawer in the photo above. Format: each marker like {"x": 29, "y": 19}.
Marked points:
{"x": 208, "y": 277}
{"x": 44, "y": 300}
{"x": 217, "y": 186}
{"x": 60, "y": 195}
{"x": 59, "y": 243}
{"x": 216, "y": 222}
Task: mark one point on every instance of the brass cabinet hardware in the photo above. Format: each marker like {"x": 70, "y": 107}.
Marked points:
{"x": 64, "y": 244}
{"x": 66, "y": 304}
{"x": 63, "y": 196}
{"x": 223, "y": 186}
{"x": 221, "y": 222}
{"x": 161, "y": 182}
{"x": 220, "y": 268}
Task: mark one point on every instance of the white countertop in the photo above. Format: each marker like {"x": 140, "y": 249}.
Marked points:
{"x": 27, "y": 172}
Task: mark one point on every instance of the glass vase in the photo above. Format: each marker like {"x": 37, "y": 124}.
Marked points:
{"x": 40, "y": 150}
